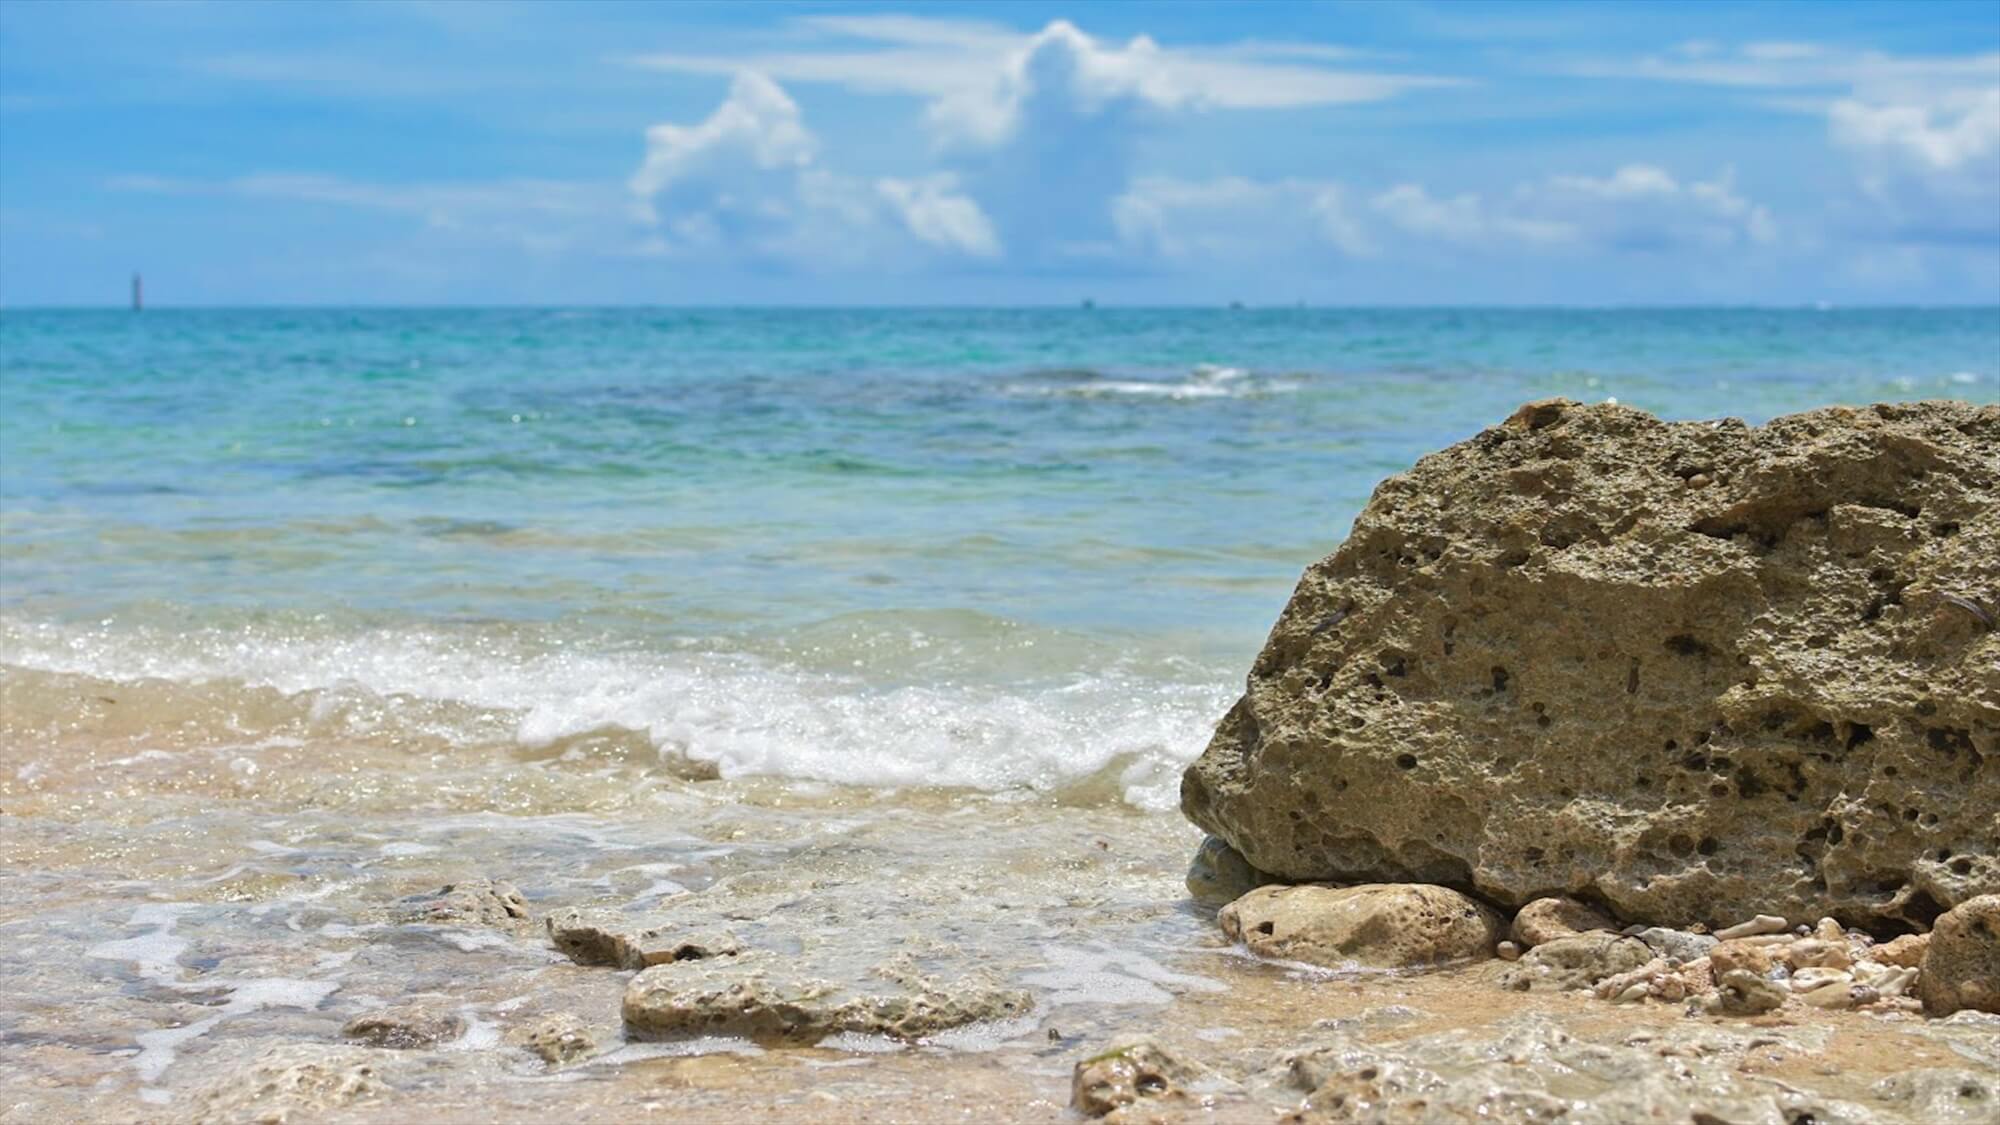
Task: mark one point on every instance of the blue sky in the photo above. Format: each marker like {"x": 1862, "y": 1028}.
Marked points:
{"x": 1024, "y": 153}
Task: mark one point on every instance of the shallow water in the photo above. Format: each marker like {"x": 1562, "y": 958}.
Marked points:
{"x": 915, "y": 615}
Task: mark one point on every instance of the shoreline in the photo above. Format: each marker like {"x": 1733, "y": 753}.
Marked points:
{"x": 155, "y": 910}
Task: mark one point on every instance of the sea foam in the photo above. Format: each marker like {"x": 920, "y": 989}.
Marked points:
{"x": 1109, "y": 729}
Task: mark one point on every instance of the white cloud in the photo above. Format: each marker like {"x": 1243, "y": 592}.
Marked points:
{"x": 1923, "y": 131}
{"x": 1637, "y": 207}
{"x": 936, "y": 212}
{"x": 1037, "y": 132}
{"x": 1947, "y": 134}
{"x": 976, "y": 74}
{"x": 756, "y": 129}
{"x": 746, "y": 182}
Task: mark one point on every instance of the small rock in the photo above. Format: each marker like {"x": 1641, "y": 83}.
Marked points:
{"x": 1649, "y": 979}
{"x": 1961, "y": 968}
{"x": 482, "y": 902}
{"x": 404, "y": 1028}
{"x": 1907, "y": 951}
{"x": 557, "y": 1039}
{"x": 1887, "y": 980}
{"x": 1579, "y": 961}
{"x": 604, "y": 938}
{"x": 308, "y": 1080}
{"x": 1761, "y": 924}
{"x": 1392, "y": 925}
{"x": 1219, "y": 874}
{"x": 1125, "y": 1075}
{"x": 1829, "y": 930}
{"x": 1739, "y": 956}
{"x": 1547, "y": 919}
{"x": 1508, "y": 951}
{"x": 1677, "y": 945}
{"x": 765, "y": 997}
{"x": 1815, "y": 953}
{"x": 1739, "y": 993}
{"x": 1943, "y": 1096}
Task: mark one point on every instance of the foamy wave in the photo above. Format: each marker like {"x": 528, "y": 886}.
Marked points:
{"x": 1207, "y": 380}
{"x": 743, "y": 714}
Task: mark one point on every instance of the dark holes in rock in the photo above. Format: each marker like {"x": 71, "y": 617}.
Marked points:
{"x": 1406, "y": 761}
{"x": 1500, "y": 678}
{"x": 1683, "y": 644}
{"x": 1267, "y": 928}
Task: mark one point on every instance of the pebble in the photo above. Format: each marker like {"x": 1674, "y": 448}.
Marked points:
{"x": 1761, "y": 924}
{"x": 1508, "y": 951}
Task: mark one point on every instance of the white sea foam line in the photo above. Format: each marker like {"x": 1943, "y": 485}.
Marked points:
{"x": 155, "y": 955}
{"x": 741, "y": 714}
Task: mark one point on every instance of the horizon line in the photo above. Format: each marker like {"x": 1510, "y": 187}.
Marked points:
{"x": 1074, "y": 306}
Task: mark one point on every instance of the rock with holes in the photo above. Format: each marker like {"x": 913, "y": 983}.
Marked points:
{"x": 1388, "y": 925}
{"x": 1132, "y": 1074}
{"x": 1962, "y": 965}
{"x": 559, "y": 1038}
{"x": 776, "y": 999}
{"x": 1692, "y": 671}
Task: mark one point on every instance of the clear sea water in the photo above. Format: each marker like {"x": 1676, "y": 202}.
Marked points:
{"x": 1013, "y": 550}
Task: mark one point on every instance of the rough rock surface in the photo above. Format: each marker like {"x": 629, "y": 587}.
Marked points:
{"x": 768, "y": 997}
{"x": 596, "y": 937}
{"x": 1691, "y": 670}
{"x": 480, "y": 902}
{"x": 557, "y": 1039}
{"x": 1962, "y": 966}
{"x": 1218, "y": 875}
{"x": 1533, "y": 1070}
{"x": 299, "y": 1080}
{"x": 405, "y": 1027}
{"x": 1547, "y": 919}
{"x": 1126, "y": 1075}
{"x": 1388, "y": 925}
{"x": 1578, "y": 961}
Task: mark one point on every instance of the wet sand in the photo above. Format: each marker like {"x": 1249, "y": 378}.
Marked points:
{"x": 193, "y": 918}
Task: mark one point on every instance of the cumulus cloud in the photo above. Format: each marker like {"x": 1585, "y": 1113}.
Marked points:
{"x": 756, "y": 129}
{"x": 973, "y": 72}
{"x": 935, "y": 211}
{"x": 747, "y": 180}
{"x": 1922, "y": 131}
{"x": 1039, "y": 131}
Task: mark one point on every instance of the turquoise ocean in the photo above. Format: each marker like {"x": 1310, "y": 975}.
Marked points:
{"x": 1027, "y": 550}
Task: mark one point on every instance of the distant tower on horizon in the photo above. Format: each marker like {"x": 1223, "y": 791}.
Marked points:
{"x": 138, "y": 293}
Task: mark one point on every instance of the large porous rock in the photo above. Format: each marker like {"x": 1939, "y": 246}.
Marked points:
{"x": 1962, "y": 964}
{"x": 772, "y": 998}
{"x": 1694, "y": 671}
{"x": 1392, "y": 926}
